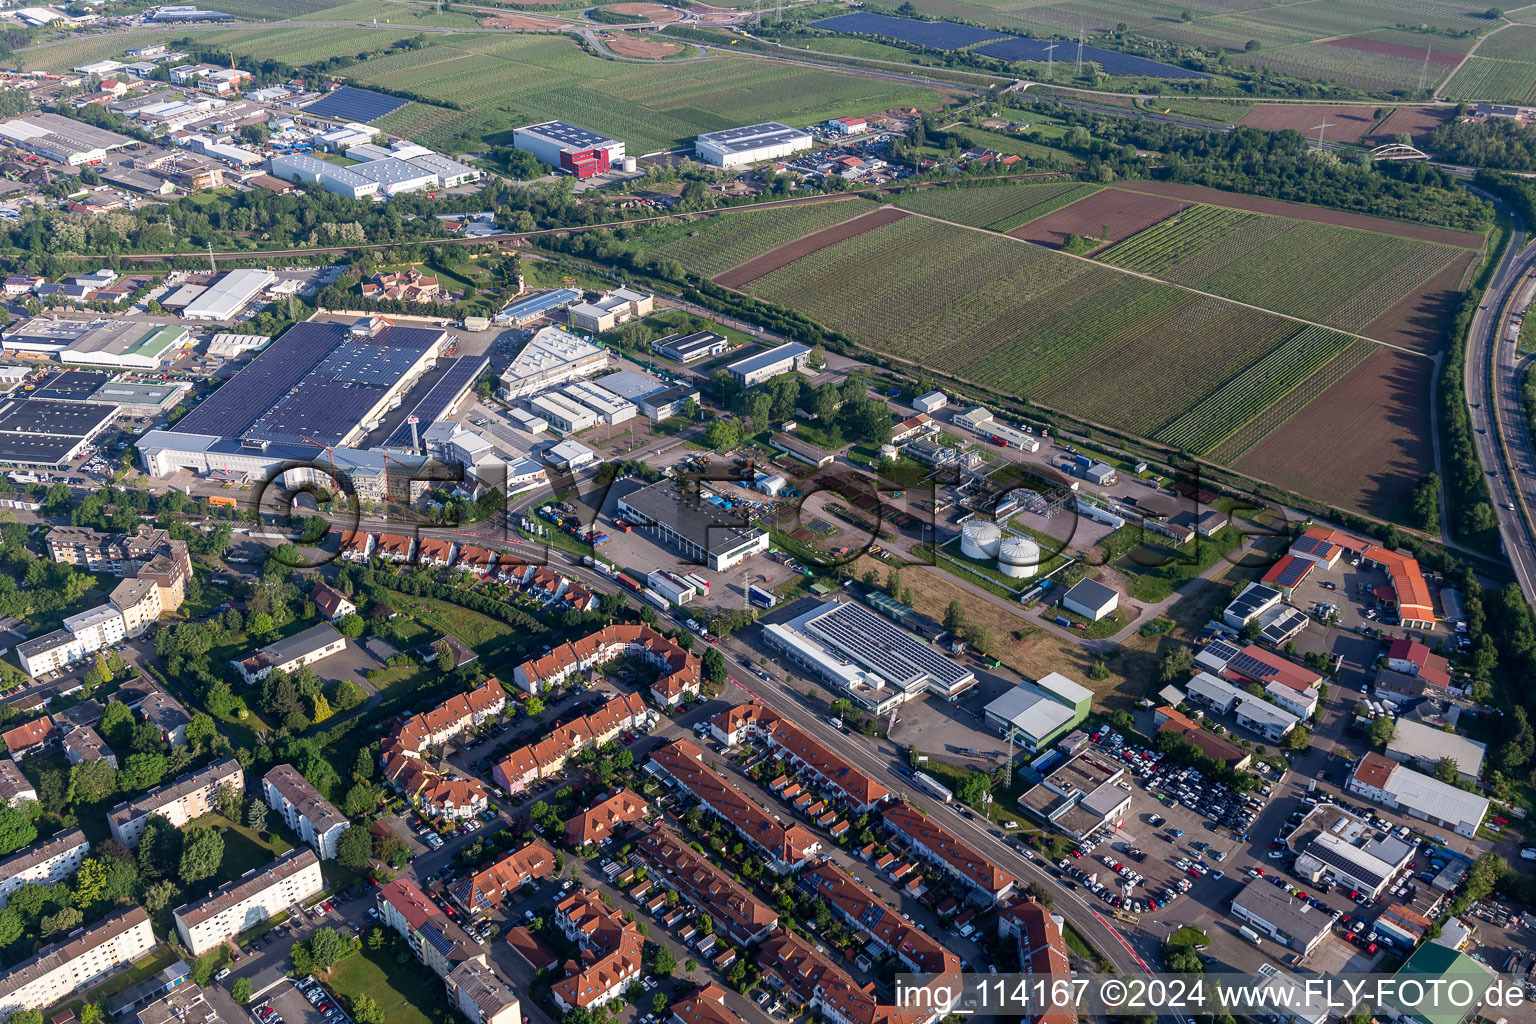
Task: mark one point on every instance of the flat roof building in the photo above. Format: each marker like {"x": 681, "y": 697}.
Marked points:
{"x": 1419, "y": 796}
{"x": 229, "y": 294}
{"x": 753, "y": 144}
{"x": 552, "y": 356}
{"x": 1090, "y": 599}
{"x": 1080, "y": 796}
{"x": 688, "y": 348}
{"x": 1271, "y": 911}
{"x": 310, "y": 170}
{"x": 1040, "y": 713}
{"x": 1333, "y": 856}
{"x": 704, "y": 532}
{"x": 761, "y": 366}
{"x": 569, "y": 148}
{"x": 1414, "y": 741}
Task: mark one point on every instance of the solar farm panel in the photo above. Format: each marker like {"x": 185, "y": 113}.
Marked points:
{"x": 352, "y": 104}
{"x": 941, "y": 35}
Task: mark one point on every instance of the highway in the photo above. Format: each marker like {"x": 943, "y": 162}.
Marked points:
{"x": 1493, "y": 394}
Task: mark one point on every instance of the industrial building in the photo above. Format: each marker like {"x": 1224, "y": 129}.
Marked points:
{"x": 871, "y": 659}
{"x": 1356, "y": 867}
{"x": 320, "y": 384}
{"x": 930, "y": 403}
{"x": 610, "y": 408}
{"x": 741, "y": 147}
{"x": 1037, "y": 714}
{"x": 37, "y": 432}
{"x": 617, "y": 307}
{"x": 439, "y": 403}
{"x": 552, "y": 356}
{"x": 1090, "y": 599}
{"x": 755, "y": 369}
{"x": 310, "y": 170}
{"x": 1080, "y": 796}
{"x": 688, "y": 348}
{"x": 1255, "y": 600}
{"x": 562, "y": 413}
{"x": 571, "y": 149}
{"x": 1417, "y": 795}
{"x": 668, "y": 402}
{"x": 535, "y": 307}
{"x": 1273, "y": 913}
{"x": 569, "y": 455}
{"x": 704, "y": 532}
{"x": 229, "y": 294}
{"x": 1415, "y": 741}
{"x": 61, "y": 139}
{"x": 101, "y": 341}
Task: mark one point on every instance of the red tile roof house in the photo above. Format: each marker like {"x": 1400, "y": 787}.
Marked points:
{"x": 356, "y": 546}
{"x": 392, "y": 547}
{"x": 330, "y": 602}
{"x": 610, "y": 817}
{"x": 988, "y": 883}
{"x": 784, "y": 849}
{"x": 441, "y": 791}
{"x": 474, "y": 559}
{"x": 1415, "y": 659}
{"x": 434, "y": 552}
{"x": 808, "y": 978}
{"x": 32, "y": 738}
{"x": 706, "y": 887}
{"x": 484, "y": 890}
{"x": 610, "y": 952}
{"x": 544, "y": 757}
{"x": 789, "y": 741}
{"x": 681, "y": 672}
{"x": 705, "y": 1006}
{"x": 920, "y": 952}
{"x": 1042, "y": 950}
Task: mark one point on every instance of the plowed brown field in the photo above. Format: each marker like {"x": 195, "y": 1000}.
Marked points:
{"x": 1418, "y": 321}
{"x": 745, "y": 273}
{"x": 1122, "y": 213}
{"x": 1347, "y": 124}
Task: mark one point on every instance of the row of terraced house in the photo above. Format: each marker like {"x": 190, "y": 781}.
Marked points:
{"x": 539, "y": 582}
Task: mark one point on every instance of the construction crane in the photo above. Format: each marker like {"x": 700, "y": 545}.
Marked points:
{"x": 329, "y": 450}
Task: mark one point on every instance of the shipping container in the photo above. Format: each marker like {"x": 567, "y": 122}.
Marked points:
{"x": 629, "y": 581}
{"x": 758, "y": 595}
{"x": 699, "y": 583}
{"x": 655, "y": 598}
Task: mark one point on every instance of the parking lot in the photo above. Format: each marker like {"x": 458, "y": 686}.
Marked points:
{"x": 287, "y": 1004}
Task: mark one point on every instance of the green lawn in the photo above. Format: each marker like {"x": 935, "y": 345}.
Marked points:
{"x": 157, "y": 959}
{"x": 243, "y": 848}
{"x": 478, "y": 631}
{"x": 407, "y": 996}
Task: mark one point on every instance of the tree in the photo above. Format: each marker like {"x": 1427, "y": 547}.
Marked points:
{"x": 90, "y": 883}
{"x": 1040, "y": 894}
{"x": 360, "y": 799}
{"x": 973, "y": 789}
{"x": 665, "y": 963}
{"x": 65, "y": 920}
{"x": 351, "y": 625}
{"x": 1381, "y": 731}
{"x": 256, "y": 815}
{"x": 91, "y": 782}
{"x": 347, "y": 696}
{"x": 1300, "y": 738}
{"x": 16, "y": 830}
{"x": 354, "y": 848}
{"x": 326, "y": 946}
{"x": 200, "y": 731}
{"x": 141, "y": 772}
{"x": 1447, "y": 770}
{"x": 954, "y": 617}
{"x": 366, "y": 1011}
{"x": 201, "y": 854}
{"x": 533, "y": 707}
{"x": 228, "y": 799}
{"x": 159, "y": 848}
{"x": 116, "y": 724}
{"x": 714, "y": 666}
{"x": 241, "y": 990}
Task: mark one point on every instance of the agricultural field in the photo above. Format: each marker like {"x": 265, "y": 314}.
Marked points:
{"x": 392, "y": 14}
{"x": 1517, "y": 42}
{"x": 1214, "y": 111}
{"x": 1294, "y": 38}
{"x": 999, "y": 207}
{"x": 718, "y": 243}
{"x": 1345, "y": 124}
{"x": 1498, "y": 81}
{"x": 506, "y": 80}
{"x": 784, "y": 255}
{"x": 301, "y": 45}
{"x": 279, "y": 10}
{"x": 1262, "y": 384}
{"x": 1416, "y": 121}
{"x": 1108, "y": 215}
{"x": 1235, "y": 444}
{"x": 1338, "y": 276}
{"x": 1382, "y": 407}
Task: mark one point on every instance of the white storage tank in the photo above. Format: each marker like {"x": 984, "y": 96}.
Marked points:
{"x": 1018, "y": 557}
{"x": 629, "y": 164}
{"x": 888, "y": 453}
{"x": 980, "y": 538}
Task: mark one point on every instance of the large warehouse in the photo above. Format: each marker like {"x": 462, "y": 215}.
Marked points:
{"x": 570, "y": 148}
{"x": 49, "y": 432}
{"x": 875, "y": 662}
{"x": 705, "y": 533}
{"x": 739, "y": 147}
{"x": 61, "y": 138}
{"x": 228, "y": 295}
{"x": 103, "y": 341}
{"x": 320, "y": 383}
{"x": 552, "y": 356}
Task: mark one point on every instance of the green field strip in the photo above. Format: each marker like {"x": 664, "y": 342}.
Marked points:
{"x": 1259, "y": 386}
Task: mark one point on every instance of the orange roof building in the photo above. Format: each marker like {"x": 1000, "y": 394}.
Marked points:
{"x": 483, "y": 891}
{"x": 886, "y": 930}
{"x": 610, "y": 952}
{"x": 785, "y": 849}
{"x": 544, "y": 757}
{"x": 30, "y": 738}
{"x": 1042, "y": 952}
{"x": 708, "y": 888}
{"x": 600, "y": 823}
{"x": 989, "y": 883}
{"x": 757, "y": 721}
{"x": 790, "y": 964}
{"x": 681, "y": 672}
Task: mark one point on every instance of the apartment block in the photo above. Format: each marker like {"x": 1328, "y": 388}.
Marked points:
{"x": 43, "y": 863}
{"x": 181, "y": 800}
{"x": 249, "y": 900}
{"x": 58, "y": 971}
{"x": 304, "y": 810}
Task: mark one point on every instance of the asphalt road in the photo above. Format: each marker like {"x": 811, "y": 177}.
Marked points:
{"x": 1493, "y": 394}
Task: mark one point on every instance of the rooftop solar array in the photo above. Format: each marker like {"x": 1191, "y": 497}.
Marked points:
{"x": 351, "y": 104}
{"x": 1312, "y": 546}
{"x": 1357, "y": 867}
{"x": 72, "y": 385}
{"x": 735, "y": 140}
{"x": 1289, "y": 571}
{"x": 883, "y": 646}
{"x": 231, "y": 409}
{"x": 940, "y": 35}
{"x": 462, "y": 374}
{"x": 567, "y": 134}
{"x": 1252, "y": 667}
{"x": 47, "y": 431}
{"x": 1222, "y": 650}
{"x": 1251, "y": 600}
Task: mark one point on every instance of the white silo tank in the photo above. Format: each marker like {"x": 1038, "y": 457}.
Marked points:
{"x": 888, "y": 453}
{"x": 980, "y": 539}
{"x": 1018, "y": 557}
{"x": 630, "y": 164}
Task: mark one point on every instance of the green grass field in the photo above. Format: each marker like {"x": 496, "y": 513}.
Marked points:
{"x": 1487, "y": 78}
{"x": 999, "y": 207}
{"x": 1027, "y": 321}
{"x": 409, "y": 996}
{"x": 506, "y": 80}
{"x": 717, "y": 244}
{"x": 1339, "y": 276}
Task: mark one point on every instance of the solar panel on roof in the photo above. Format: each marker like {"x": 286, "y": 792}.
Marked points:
{"x": 437, "y": 939}
{"x": 1252, "y": 667}
{"x": 351, "y": 104}
{"x": 238, "y": 404}
{"x": 461, "y": 374}
{"x": 1222, "y": 650}
{"x": 1334, "y": 859}
{"x": 1292, "y": 572}
{"x": 1311, "y": 545}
